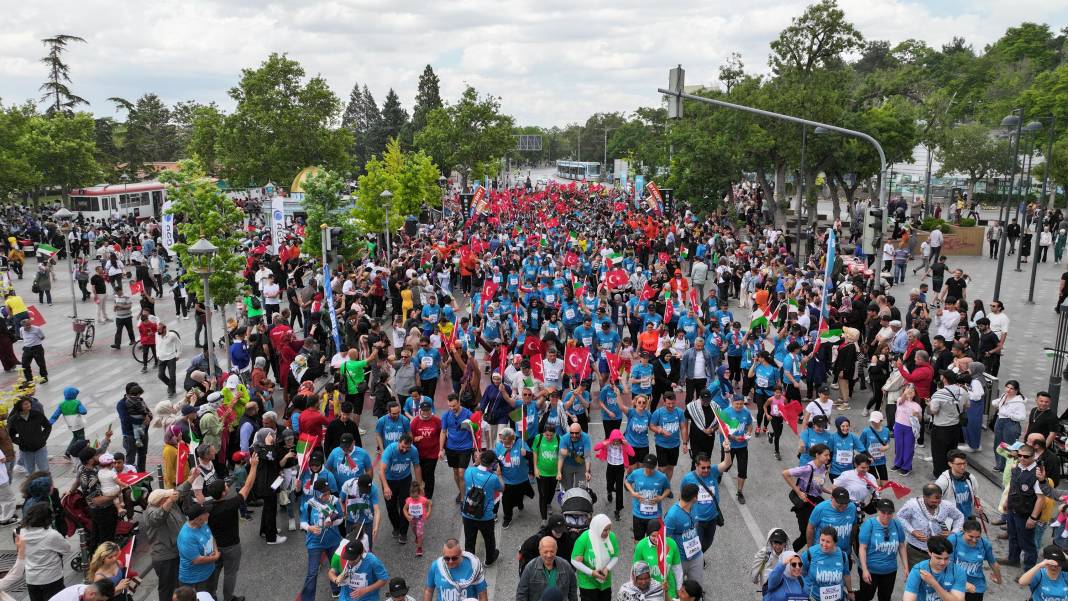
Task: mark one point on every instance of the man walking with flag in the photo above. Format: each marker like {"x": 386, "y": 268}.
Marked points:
{"x": 736, "y": 427}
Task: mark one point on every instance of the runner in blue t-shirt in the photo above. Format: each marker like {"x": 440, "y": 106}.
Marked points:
{"x": 740, "y": 423}
{"x": 839, "y": 513}
{"x": 648, "y": 487}
{"x": 970, "y": 551}
{"x": 826, "y": 568}
{"x": 636, "y": 430}
{"x": 669, "y": 425}
{"x": 456, "y": 575}
{"x": 882, "y": 546}
{"x": 937, "y": 573}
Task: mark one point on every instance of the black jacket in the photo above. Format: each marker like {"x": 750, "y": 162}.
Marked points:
{"x": 30, "y": 433}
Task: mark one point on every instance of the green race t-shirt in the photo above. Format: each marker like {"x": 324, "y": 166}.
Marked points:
{"x": 353, "y": 371}
{"x": 583, "y": 552}
{"x": 547, "y": 452}
{"x": 645, "y": 551}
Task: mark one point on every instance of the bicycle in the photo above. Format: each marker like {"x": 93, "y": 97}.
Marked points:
{"x": 138, "y": 354}
{"x": 84, "y": 335}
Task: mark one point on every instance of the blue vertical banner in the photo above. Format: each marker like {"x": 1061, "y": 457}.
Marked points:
{"x": 639, "y": 189}
{"x": 329, "y": 297}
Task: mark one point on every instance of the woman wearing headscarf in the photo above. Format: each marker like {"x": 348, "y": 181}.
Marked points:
{"x": 785, "y": 582}
{"x": 38, "y": 488}
{"x": 641, "y": 586}
{"x": 264, "y": 444}
{"x": 595, "y": 554}
{"x": 163, "y": 521}
{"x": 844, "y": 446}
{"x": 973, "y": 371}
{"x": 845, "y": 366}
{"x": 172, "y": 434}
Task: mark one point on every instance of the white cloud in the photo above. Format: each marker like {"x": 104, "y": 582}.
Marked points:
{"x": 551, "y": 61}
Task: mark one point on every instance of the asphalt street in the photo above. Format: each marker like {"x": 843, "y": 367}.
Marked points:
{"x": 277, "y": 572}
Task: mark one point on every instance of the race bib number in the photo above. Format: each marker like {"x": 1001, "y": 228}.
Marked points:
{"x": 875, "y": 451}
{"x": 433, "y": 318}
{"x": 569, "y": 314}
{"x": 830, "y": 593}
{"x": 426, "y": 363}
{"x": 843, "y": 457}
{"x": 761, "y": 382}
{"x": 692, "y": 547}
{"x": 648, "y": 508}
{"x": 358, "y": 580}
{"x": 775, "y": 410}
{"x": 703, "y": 495}
{"x": 416, "y": 510}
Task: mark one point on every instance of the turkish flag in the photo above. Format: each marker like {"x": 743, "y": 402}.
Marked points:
{"x": 669, "y": 310}
{"x": 554, "y": 222}
{"x": 532, "y": 346}
{"x": 537, "y": 367}
{"x": 35, "y": 316}
{"x": 617, "y": 278}
{"x": 571, "y": 259}
{"x": 131, "y": 478}
{"x": 790, "y": 412}
{"x": 182, "y": 471}
{"x": 900, "y": 490}
{"x": 648, "y": 292}
{"x": 137, "y": 287}
{"x": 577, "y": 361}
{"x": 489, "y": 289}
{"x": 615, "y": 362}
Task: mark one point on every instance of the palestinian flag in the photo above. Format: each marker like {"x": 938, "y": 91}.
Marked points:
{"x": 684, "y": 253}
{"x": 519, "y": 417}
{"x": 474, "y": 423}
{"x": 759, "y": 320}
{"x": 615, "y": 258}
{"x": 573, "y": 237}
{"x": 338, "y": 561}
{"x": 46, "y": 249}
{"x": 305, "y": 445}
{"x": 727, "y": 424}
{"x": 830, "y": 335}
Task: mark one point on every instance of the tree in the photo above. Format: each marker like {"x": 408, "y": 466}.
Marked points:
{"x": 470, "y": 134}
{"x": 642, "y": 141}
{"x": 62, "y": 148}
{"x": 201, "y": 210}
{"x": 817, "y": 39}
{"x": 427, "y": 98}
{"x": 150, "y": 135}
{"x": 281, "y": 125}
{"x": 971, "y": 150}
{"x": 732, "y": 71}
{"x": 18, "y": 174}
{"x": 412, "y": 177}
{"x": 322, "y": 199}
{"x": 55, "y": 90}
{"x": 363, "y": 122}
{"x": 394, "y": 120}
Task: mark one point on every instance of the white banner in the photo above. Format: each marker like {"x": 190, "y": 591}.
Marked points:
{"x": 168, "y": 226}
{"x": 278, "y": 222}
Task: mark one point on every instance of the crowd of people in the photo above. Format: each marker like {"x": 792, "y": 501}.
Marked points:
{"x": 540, "y": 310}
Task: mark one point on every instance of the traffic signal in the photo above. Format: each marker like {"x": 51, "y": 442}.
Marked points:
{"x": 676, "y": 84}
{"x": 872, "y": 234}
{"x": 334, "y": 241}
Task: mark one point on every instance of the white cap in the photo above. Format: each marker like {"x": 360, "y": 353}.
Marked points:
{"x": 876, "y": 416}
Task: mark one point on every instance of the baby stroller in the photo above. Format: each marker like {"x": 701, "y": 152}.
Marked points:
{"x": 576, "y": 505}
{"x": 77, "y": 521}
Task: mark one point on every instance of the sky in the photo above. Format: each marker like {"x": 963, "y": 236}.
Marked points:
{"x": 551, "y": 62}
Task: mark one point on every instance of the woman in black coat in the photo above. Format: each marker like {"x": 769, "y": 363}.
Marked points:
{"x": 267, "y": 447}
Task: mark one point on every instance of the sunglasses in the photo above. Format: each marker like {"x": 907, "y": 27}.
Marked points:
{"x": 1022, "y": 456}
{"x": 451, "y": 558}
{"x": 795, "y": 564}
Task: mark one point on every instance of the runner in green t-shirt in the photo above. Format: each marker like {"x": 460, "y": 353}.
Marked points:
{"x": 596, "y": 570}
{"x": 250, "y": 310}
{"x": 645, "y": 551}
{"x": 547, "y": 450}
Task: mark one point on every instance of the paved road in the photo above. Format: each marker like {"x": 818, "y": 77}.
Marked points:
{"x": 276, "y": 572}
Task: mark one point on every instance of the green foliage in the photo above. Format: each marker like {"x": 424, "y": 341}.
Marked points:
{"x": 203, "y": 211}
{"x": 469, "y": 134}
{"x": 394, "y": 120}
{"x": 62, "y": 150}
{"x": 17, "y": 171}
{"x": 281, "y": 125}
{"x": 206, "y": 125}
{"x": 427, "y": 98}
{"x": 55, "y": 90}
{"x": 412, "y": 177}
{"x": 363, "y": 121}
{"x": 817, "y": 39}
{"x": 930, "y": 224}
{"x": 967, "y": 222}
{"x": 970, "y": 149}
{"x": 322, "y": 199}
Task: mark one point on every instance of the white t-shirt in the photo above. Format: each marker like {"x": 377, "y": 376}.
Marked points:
{"x": 936, "y": 238}
{"x": 272, "y": 294}
{"x": 814, "y": 406}
{"x": 999, "y": 323}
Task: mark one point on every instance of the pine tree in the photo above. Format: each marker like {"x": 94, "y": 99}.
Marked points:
{"x": 365, "y": 123}
{"x": 56, "y": 91}
{"x": 427, "y": 98}
{"x": 394, "y": 120}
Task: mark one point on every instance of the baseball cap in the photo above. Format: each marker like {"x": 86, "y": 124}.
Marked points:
{"x": 840, "y": 494}
{"x": 397, "y": 587}
{"x": 1056, "y": 554}
{"x": 239, "y": 456}
{"x": 649, "y": 461}
{"x": 779, "y": 536}
{"x": 426, "y": 405}
{"x": 876, "y": 416}
{"x": 555, "y": 522}
{"x": 347, "y": 438}
{"x": 819, "y": 420}
{"x": 884, "y": 505}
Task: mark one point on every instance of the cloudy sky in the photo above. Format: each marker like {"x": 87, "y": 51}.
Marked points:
{"x": 551, "y": 61}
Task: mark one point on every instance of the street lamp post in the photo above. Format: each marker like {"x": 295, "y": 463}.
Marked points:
{"x": 202, "y": 254}
{"x": 1013, "y": 119}
{"x": 1031, "y": 128}
{"x": 604, "y": 166}
{"x": 64, "y": 216}
{"x": 1041, "y": 208}
{"x": 443, "y": 183}
{"x": 387, "y": 201}
{"x": 801, "y": 191}
{"x": 1059, "y": 351}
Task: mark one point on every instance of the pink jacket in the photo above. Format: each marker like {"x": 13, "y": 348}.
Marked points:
{"x": 601, "y": 449}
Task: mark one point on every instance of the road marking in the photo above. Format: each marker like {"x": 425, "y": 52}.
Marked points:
{"x": 747, "y": 516}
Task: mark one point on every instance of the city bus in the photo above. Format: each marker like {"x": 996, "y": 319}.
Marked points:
{"x": 578, "y": 170}
{"x": 142, "y": 200}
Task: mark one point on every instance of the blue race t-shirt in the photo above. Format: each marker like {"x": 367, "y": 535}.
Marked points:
{"x": 193, "y": 543}
{"x": 743, "y": 418}
{"x": 951, "y": 579}
{"x": 810, "y": 438}
{"x": 611, "y": 402}
{"x": 399, "y": 463}
{"x": 647, "y": 486}
{"x": 636, "y": 432}
{"x": 346, "y": 467}
{"x": 824, "y": 573}
{"x": 1043, "y": 588}
{"x": 670, "y": 420}
{"x": 369, "y": 570}
{"x": 962, "y": 489}
{"x": 457, "y": 438}
{"x": 872, "y": 443}
{"x": 682, "y": 527}
{"x": 843, "y": 448}
{"x": 490, "y": 485}
{"x": 883, "y": 543}
{"x": 443, "y": 579}
{"x": 391, "y": 429}
{"x": 426, "y": 361}
{"x": 705, "y": 508}
{"x": 970, "y": 559}
{"x": 513, "y": 462}
{"x": 842, "y": 521}
{"x": 578, "y": 451}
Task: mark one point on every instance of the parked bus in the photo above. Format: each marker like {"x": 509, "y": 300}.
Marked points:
{"x": 142, "y": 200}
{"x": 578, "y": 170}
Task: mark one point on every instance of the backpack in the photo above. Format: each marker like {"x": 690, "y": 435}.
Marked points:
{"x": 475, "y": 499}
{"x": 254, "y": 302}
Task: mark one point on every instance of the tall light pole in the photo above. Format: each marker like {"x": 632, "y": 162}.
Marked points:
{"x": 1041, "y": 208}
{"x": 1013, "y": 119}
{"x": 1031, "y": 128}
{"x": 387, "y": 201}
{"x": 604, "y": 166}
{"x": 801, "y": 191}
{"x": 202, "y": 254}
{"x": 64, "y": 216}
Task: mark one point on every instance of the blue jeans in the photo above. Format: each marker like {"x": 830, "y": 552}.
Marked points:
{"x": 1005, "y": 430}
{"x": 315, "y": 557}
{"x": 34, "y": 461}
{"x": 899, "y": 272}
{"x": 1021, "y": 540}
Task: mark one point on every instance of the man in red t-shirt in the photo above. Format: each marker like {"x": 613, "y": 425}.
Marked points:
{"x": 426, "y": 433}
{"x": 312, "y": 421}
